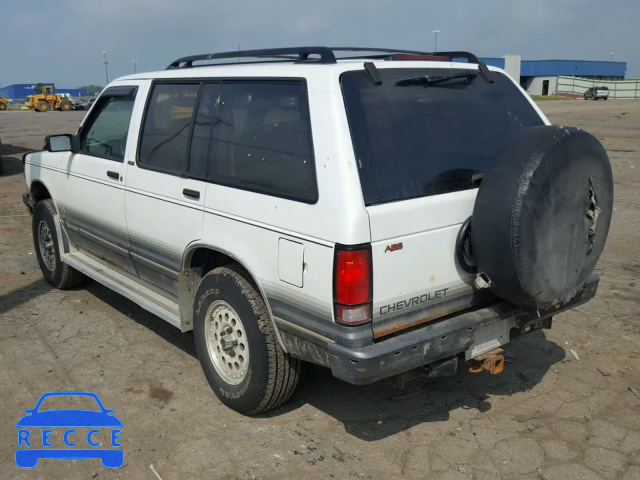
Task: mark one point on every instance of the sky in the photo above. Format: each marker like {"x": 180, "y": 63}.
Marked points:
{"x": 61, "y": 41}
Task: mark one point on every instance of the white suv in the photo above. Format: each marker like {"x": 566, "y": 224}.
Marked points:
{"x": 374, "y": 211}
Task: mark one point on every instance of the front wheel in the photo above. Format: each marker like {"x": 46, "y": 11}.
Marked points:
{"x": 237, "y": 346}
{"x": 45, "y": 241}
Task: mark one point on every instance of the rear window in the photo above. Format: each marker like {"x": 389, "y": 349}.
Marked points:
{"x": 415, "y": 140}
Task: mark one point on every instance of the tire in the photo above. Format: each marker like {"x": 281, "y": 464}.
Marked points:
{"x": 263, "y": 377}
{"x": 42, "y": 106}
{"x": 3, "y": 106}
{"x": 65, "y": 106}
{"x": 45, "y": 241}
{"x": 542, "y": 215}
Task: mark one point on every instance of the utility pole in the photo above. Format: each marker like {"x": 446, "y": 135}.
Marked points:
{"x": 135, "y": 66}
{"x": 611, "y": 56}
{"x": 106, "y": 65}
{"x": 435, "y": 47}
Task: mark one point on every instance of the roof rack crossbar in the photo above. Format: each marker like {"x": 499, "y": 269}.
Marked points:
{"x": 295, "y": 54}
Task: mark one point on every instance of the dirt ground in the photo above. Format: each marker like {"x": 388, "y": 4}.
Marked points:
{"x": 551, "y": 415}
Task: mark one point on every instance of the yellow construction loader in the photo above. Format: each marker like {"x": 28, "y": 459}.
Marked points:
{"x": 3, "y": 104}
{"x": 48, "y": 100}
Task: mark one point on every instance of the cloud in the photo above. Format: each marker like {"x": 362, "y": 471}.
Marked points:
{"x": 67, "y": 37}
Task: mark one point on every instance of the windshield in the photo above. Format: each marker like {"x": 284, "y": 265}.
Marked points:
{"x": 69, "y": 402}
{"x": 413, "y": 139}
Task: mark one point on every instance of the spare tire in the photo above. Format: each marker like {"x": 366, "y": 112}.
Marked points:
{"x": 542, "y": 215}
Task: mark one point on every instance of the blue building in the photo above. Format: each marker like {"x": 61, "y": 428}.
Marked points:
{"x": 540, "y": 77}
{"x": 22, "y": 90}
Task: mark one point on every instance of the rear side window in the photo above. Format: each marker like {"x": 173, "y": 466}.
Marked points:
{"x": 167, "y": 127}
{"x": 412, "y": 140}
{"x": 260, "y": 138}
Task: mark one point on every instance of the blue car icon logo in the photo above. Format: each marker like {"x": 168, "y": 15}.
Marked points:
{"x": 69, "y": 433}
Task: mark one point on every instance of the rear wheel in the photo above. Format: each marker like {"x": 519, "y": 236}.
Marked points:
{"x": 45, "y": 240}
{"x": 43, "y": 106}
{"x": 3, "y": 106}
{"x": 237, "y": 346}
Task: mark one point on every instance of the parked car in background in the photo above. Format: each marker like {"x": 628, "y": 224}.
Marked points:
{"x": 596, "y": 93}
{"x": 78, "y": 104}
{"x": 83, "y": 104}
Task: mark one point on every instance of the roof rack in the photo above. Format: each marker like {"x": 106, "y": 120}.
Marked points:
{"x": 320, "y": 55}
{"x": 296, "y": 54}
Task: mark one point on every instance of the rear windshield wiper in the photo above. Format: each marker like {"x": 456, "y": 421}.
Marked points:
{"x": 427, "y": 81}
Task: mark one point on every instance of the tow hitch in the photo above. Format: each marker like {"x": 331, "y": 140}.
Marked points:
{"x": 492, "y": 362}
{"x": 446, "y": 367}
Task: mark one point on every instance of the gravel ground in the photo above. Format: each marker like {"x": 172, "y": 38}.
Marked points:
{"x": 549, "y": 416}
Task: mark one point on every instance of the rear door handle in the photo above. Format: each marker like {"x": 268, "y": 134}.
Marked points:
{"x": 191, "y": 193}
{"x": 114, "y": 175}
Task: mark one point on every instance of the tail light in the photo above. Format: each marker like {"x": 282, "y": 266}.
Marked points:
{"x": 352, "y": 287}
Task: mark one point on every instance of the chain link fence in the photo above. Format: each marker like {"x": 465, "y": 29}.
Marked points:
{"x": 628, "y": 89}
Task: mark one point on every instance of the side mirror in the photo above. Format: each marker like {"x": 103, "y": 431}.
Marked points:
{"x": 61, "y": 143}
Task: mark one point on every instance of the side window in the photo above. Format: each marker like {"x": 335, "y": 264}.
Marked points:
{"x": 261, "y": 140}
{"x": 167, "y": 125}
{"x": 105, "y": 134}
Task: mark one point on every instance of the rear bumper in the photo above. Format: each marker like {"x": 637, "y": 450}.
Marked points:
{"x": 415, "y": 348}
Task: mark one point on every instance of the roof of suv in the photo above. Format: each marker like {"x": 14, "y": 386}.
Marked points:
{"x": 295, "y": 62}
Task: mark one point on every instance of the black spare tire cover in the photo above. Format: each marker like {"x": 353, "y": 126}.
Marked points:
{"x": 542, "y": 215}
